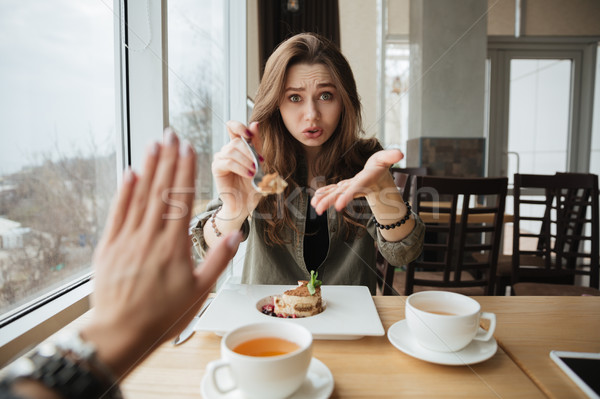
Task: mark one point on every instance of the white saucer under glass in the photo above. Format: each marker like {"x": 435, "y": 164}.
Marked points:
{"x": 317, "y": 385}
{"x": 477, "y": 351}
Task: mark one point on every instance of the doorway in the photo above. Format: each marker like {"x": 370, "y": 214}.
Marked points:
{"x": 540, "y": 97}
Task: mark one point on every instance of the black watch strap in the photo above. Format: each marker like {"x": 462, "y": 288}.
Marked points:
{"x": 69, "y": 377}
{"x": 72, "y": 374}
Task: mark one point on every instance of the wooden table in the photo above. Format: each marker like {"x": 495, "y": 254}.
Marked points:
{"x": 370, "y": 367}
{"x": 530, "y": 327}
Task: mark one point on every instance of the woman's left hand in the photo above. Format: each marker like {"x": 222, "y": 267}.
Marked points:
{"x": 370, "y": 181}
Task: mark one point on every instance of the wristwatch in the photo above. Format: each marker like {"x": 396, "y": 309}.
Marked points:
{"x": 69, "y": 366}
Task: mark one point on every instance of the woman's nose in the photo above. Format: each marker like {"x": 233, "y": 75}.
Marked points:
{"x": 312, "y": 111}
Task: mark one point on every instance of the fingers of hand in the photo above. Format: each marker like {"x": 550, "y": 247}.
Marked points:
{"x": 256, "y": 140}
{"x": 236, "y": 158}
{"x": 254, "y": 128}
{"x": 237, "y": 129}
{"x": 327, "y": 196}
{"x": 120, "y": 206}
{"x": 337, "y": 195}
{"x": 345, "y": 197}
{"x": 347, "y": 191}
{"x": 216, "y": 260}
{"x": 250, "y": 133}
{"x": 139, "y": 198}
{"x": 162, "y": 183}
{"x": 388, "y": 157}
{"x": 181, "y": 197}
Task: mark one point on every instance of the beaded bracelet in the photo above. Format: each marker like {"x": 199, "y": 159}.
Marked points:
{"x": 214, "y": 223}
{"x": 399, "y": 222}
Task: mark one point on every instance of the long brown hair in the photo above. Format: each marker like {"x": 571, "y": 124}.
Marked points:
{"x": 341, "y": 157}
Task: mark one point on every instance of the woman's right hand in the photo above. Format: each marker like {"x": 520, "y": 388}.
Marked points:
{"x": 233, "y": 169}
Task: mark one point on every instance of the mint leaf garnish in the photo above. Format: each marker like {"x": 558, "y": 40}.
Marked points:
{"x": 313, "y": 283}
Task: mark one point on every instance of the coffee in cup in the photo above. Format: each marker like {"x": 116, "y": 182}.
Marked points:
{"x": 446, "y": 321}
{"x": 265, "y": 360}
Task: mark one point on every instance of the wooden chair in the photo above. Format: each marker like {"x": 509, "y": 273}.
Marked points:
{"x": 565, "y": 206}
{"x": 385, "y": 271}
{"x": 404, "y": 178}
{"x": 447, "y": 262}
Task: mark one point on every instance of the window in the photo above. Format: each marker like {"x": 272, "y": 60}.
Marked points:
{"x": 57, "y": 150}
{"x": 396, "y": 87}
{"x": 394, "y": 83}
{"x": 538, "y": 123}
{"x": 61, "y": 161}
{"x": 207, "y": 85}
{"x": 197, "y": 82}
{"x": 595, "y": 156}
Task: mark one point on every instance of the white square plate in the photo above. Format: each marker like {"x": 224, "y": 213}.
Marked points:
{"x": 349, "y": 313}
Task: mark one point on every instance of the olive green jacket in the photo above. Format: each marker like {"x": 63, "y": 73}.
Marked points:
{"x": 347, "y": 263}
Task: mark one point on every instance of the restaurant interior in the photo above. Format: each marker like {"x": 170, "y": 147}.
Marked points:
{"x": 495, "y": 105}
{"x": 468, "y": 90}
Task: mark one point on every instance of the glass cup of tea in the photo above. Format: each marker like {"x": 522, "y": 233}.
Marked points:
{"x": 446, "y": 321}
{"x": 265, "y": 360}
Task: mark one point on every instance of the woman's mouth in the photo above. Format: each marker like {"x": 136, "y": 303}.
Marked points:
{"x": 312, "y": 132}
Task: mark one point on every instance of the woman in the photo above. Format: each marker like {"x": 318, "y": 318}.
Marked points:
{"x": 307, "y": 127}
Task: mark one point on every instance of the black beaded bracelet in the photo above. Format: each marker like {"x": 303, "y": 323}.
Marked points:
{"x": 398, "y": 223}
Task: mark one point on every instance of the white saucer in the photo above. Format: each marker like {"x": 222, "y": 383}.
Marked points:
{"x": 476, "y": 352}
{"x": 317, "y": 385}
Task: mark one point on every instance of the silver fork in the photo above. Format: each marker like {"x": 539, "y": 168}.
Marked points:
{"x": 259, "y": 172}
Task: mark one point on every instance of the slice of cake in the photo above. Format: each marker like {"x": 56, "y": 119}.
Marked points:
{"x": 303, "y": 301}
{"x": 299, "y": 302}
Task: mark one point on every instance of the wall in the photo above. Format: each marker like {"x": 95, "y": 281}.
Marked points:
{"x": 448, "y": 42}
{"x": 545, "y": 17}
{"x": 398, "y": 17}
{"x": 358, "y": 20}
{"x": 448, "y": 50}
{"x": 539, "y": 17}
{"x": 252, "y": 41}
{"x": 358, "y": 32}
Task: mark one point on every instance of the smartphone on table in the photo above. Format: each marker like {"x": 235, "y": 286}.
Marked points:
{"x": 582, "y": 367}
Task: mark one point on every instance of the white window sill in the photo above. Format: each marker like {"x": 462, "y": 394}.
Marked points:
{"x": 27, "y": 331}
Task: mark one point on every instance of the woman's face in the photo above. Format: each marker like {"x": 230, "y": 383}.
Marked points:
{"x": 311, "y": 105}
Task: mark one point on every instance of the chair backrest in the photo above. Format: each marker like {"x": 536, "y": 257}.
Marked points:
{"x": 565, "y": 205}
{"x": 403, "y": 177}
{"x": 580, "y": 201}
{"x": 385, "y": 271}
{"x": 464, "y": 218}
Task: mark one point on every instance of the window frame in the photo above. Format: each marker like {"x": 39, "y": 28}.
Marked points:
{"x": 141, "y": 113}
{"x": 582, "y": 51}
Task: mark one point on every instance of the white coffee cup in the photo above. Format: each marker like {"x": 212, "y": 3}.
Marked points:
{"x": 446, "y": 321}
{"x": 264, "y": 377}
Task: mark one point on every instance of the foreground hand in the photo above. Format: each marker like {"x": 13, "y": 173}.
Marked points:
{"x": 370, "y": 181}
{"x": 146, "y": 287}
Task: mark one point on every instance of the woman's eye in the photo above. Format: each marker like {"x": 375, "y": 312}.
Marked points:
{"x": 326, "y": 96}
{"x": 294, "y": 98}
